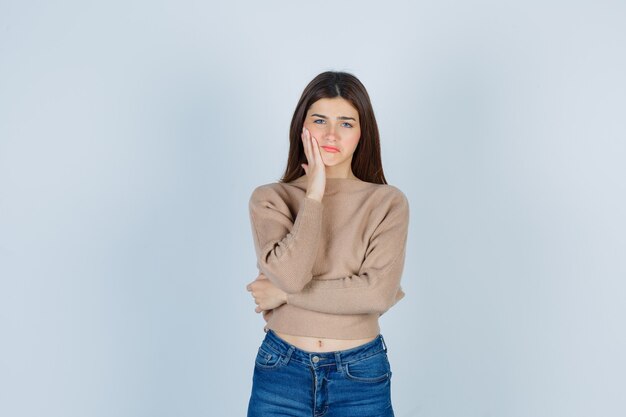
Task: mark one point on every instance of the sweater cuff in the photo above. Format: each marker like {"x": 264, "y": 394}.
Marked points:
{"x": 313, "y": 207}
{"x": 309, "y": 217}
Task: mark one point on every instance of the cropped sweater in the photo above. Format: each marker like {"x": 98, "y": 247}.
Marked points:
{"x": 340, "y": 260}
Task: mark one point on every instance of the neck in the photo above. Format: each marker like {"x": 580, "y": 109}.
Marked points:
{"x": 346, "y": 174}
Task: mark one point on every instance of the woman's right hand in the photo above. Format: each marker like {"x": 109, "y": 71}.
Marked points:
{"x": 315, "y": 169}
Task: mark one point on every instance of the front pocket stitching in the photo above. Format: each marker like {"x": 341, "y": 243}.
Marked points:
{"x": 269, "y": 348}
{"x": 362, "y": 379}
{"x": 278, "y": 362}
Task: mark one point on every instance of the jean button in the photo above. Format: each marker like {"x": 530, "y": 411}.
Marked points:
{"x": 315, "y": 359}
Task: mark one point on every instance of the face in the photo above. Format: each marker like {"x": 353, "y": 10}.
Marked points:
{"x": 335, "y": 123}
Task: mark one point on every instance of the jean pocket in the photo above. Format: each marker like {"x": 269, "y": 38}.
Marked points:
{"x": 268, "y": 359}
{"x": 375, "y": 368}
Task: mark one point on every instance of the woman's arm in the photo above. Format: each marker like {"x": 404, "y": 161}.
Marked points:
{"x": 285, "y": 249}
{"x": 376, "y": 287}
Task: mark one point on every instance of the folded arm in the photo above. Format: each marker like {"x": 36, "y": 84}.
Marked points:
{"x": 376, "y": 287}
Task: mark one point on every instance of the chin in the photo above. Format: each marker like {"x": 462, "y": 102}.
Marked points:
{"x": 330, "y": 164}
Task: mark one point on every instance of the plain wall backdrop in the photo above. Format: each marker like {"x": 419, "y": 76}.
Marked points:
{"x": 133, "y": 132}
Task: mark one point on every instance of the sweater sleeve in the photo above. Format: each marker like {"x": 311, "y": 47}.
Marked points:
{"x": 285, "y": 249}
{"x": 376, "y": 287}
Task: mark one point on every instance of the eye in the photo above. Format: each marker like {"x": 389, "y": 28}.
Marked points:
{"x": 323, "y": 121}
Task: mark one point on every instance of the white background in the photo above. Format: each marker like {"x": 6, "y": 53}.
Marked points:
{"x": 133, "y": 132}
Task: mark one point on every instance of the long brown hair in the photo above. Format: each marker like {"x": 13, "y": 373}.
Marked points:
{"x": 366, "y": 160}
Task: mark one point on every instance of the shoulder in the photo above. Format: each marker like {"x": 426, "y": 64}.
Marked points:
{"x": 391, "y": 205}
{"x": 273, "y": 192}
{"x": 263, "y": 189}
{"x": 394, "y": 191}
{"x": 392, "y": 196}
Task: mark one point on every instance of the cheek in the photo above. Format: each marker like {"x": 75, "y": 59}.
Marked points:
{"x": 353, "y": 139}
{"x": 311, "y": 127}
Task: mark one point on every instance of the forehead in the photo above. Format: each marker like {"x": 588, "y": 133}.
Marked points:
{"x": 333, "y": 107}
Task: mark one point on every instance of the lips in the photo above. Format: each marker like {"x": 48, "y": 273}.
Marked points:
{"x": 330, "y": 149}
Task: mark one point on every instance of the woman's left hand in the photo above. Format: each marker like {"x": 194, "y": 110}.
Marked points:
{"x": 266, "y": 295}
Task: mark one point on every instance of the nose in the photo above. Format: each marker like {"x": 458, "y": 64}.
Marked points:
{"x": 330, "y": 135}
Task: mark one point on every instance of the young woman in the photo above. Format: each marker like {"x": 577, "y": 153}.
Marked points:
{"x": 330, "y": 241}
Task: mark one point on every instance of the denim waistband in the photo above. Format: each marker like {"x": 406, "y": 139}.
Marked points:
{"x": 317, "y": 359}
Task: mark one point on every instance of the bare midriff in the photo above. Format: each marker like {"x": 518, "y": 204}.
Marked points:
{"x": 321, "y": 344}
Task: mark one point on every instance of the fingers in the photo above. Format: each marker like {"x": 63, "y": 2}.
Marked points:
{"x": 249, "y": 287}
{"x": 313, "y": 148}
{"x": 316, "y": 151}
{"x": 303, "y": 137}
{"x": 260, "y": 276}
{"x": 306, "y": 144}
{"x": 258, "y": 308}
{"x": 310, "y": 144}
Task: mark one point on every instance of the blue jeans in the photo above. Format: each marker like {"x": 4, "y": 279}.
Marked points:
{"x": 289, "y": 381}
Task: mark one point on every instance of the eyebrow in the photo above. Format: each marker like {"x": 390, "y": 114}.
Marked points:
{"x": 338, "y": 118}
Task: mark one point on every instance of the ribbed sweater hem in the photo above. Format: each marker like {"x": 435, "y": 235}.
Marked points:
{"x": 300, "y": 322}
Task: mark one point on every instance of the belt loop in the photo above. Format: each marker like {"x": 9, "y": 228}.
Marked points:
{"x": 338, "y": 361}
{"x": 382, "y": 339}
{"x": 287, "y": 356}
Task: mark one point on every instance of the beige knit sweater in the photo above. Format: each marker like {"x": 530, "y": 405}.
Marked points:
{"x": 339, "y": 261}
